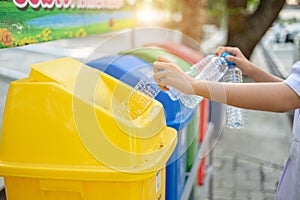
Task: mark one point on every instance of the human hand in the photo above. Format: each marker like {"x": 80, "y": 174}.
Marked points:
{"x": 237, "y": 57}
{"x": 167, "y": 73}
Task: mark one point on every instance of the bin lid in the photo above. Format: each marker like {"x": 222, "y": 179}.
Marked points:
{"x": 130, "y": 70}
{"x": 150, "y": 55}
{"x": 126, "y": 68}
{"x": 58, "y": 123}
{"x": 186, "y": 53}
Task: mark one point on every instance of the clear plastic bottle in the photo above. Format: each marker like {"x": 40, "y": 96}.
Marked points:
{"x": 195, "y": 70}
{"x": 135, "y": 104}
{"x": 235, "y": 117}
{"x": 210, "y": 68}
{"x": 148, "y": 86}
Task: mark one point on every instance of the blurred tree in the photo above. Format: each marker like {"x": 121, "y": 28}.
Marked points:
{"x": 193, "y": 18}
{"x": 246, "y": 20}
{"x": 246, "y": 27}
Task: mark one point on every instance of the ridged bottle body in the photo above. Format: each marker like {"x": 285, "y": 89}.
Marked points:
{"x": 210, "y": 68}
{"x": 148, "y": 85}
{"x": 235, "y": 117}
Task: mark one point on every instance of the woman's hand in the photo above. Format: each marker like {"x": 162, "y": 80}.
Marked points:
{"x": 167, "y": 73}
{"x": 237, "y": 57}
{"x": 248, "y": 68}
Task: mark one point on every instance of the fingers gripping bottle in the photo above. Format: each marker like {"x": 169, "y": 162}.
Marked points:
{"x": 149, "y": 86}
{"x": 210, "y": 68}
{"x": 235, "y": 117}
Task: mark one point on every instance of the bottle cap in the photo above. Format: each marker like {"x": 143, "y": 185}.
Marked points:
{"x": 229, "y": 63}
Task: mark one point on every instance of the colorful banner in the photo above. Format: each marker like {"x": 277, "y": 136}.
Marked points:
{"x": 32, "y": 21}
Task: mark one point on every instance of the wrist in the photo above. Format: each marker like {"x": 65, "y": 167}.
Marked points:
{"x": 195, "y": 87}
{"x": 250, "y": 70}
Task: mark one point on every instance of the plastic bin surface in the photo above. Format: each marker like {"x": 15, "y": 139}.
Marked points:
{"x": 150, "y": 54}
{"x": 197, "y": 125}
{"x": 130, "y": 69}
{"x": 186, "y": 53}
{"x": 69, "y": 144}
{"x": 192, "y": 57}
{"x": 193, "y": 138}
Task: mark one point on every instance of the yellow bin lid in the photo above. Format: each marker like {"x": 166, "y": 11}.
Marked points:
{"x": 67, "y": 120}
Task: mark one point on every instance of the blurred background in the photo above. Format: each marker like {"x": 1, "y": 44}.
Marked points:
{"x": 246, "y": 163}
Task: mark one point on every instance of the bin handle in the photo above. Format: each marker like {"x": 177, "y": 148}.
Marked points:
{"x": 61, "y": 186}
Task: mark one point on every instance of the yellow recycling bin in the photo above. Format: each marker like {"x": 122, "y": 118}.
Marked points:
{"x": 73, "y": 132}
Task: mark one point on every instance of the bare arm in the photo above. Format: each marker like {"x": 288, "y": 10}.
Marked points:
{"x": 273, "y": 96}
{"x": 259, "y": 75}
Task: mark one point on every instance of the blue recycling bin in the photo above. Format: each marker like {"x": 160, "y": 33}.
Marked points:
{"x": 130, "y": 69}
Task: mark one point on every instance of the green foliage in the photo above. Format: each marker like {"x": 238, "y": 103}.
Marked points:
{"x": 218, "y": 7}
{"x": 252, "y": 5}
{"x": 174, "y": 7}
{"x": 171, "y": 5}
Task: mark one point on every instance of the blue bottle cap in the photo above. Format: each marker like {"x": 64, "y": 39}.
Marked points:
{"x": 229, "y": 63}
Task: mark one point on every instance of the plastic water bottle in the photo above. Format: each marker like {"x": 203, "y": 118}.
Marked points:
{"x": 195, "y": 70}
{"x": 148, "y": 86}
{"x": 235, "y": 117}
{"x": 210, "y": 68}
